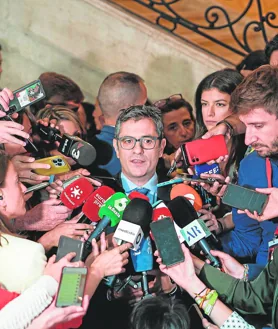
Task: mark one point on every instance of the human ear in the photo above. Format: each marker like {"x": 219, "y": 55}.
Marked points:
{"x": 115, "y": 144}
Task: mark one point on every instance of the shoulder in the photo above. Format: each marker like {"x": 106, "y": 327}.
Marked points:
{"x": 252, "y": 160}
{"x": 15, "y": 242}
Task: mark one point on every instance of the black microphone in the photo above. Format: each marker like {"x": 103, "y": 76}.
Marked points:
{"x": 132, "y": 228}
{"x": 104, "y": 151}
{"x": 193, "y": 229}
{"x": 135, "y": 223}
{"x": 71, "y": 146}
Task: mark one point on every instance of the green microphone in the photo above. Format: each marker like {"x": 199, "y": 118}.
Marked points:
{"x": 110, "y": 213}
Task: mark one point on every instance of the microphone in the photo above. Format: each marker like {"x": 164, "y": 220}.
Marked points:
{"x": 142, "y": 262}
{"x": 92, "y": 205}
{"x": 161, "y": 211}
{"x": 76, "y": 193}
{"x": 205, "y": 168}
{"x": 189, "y": 193}
{"x": 110, "y": 213}
{"x": 104, "y": 151}
{"x": 71, "y": 146}
{"x": 135, "y": 223}
{"x": 142, "y": 259}
{"x": 136, "y": 194}
{"x": 193, "y": 230}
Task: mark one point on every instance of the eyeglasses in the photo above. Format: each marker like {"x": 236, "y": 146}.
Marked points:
{"x": 146, "y": 142}
{"x": 165, "y": 101}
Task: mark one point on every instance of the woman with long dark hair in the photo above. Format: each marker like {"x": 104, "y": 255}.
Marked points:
{"x": 212, "y": 99}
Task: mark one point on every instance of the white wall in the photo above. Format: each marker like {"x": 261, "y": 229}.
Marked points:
{"x": 88, "y": 39}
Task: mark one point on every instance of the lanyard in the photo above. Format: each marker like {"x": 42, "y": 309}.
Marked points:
{"x": 268, "y": 172}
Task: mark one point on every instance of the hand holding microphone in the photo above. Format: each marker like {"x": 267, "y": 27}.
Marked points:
{"x": 210, "y": 220}
{"x": 70, "y": 228}
{"x": 43, "y": 217}
{"x": 109, "y": 262}
{"x": 71, "y": 146}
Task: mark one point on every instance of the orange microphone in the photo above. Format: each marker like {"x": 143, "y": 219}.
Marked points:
{"x": 189, "y": 193}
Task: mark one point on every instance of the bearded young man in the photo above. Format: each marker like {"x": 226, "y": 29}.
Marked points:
{"x": 255, "y": 101}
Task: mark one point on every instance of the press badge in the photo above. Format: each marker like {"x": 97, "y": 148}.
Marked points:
{"x": 272, "y": 245}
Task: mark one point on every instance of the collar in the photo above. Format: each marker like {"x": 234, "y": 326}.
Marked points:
{"x": 108, "y": 129}
{"x": 128, "y": 185}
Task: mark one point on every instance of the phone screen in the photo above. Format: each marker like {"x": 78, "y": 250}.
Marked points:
{"x": 72, "y": 286}
{"x": 243, "y": 198}
{"x": 167, "y": 241}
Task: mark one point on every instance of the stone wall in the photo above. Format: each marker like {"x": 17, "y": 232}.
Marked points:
{"x": 88, "y": 39}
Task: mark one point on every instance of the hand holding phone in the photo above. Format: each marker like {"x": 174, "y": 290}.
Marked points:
{"x": 23, "y": 97}
{"x": 245, "y": 198}
{"x": 58, "y": 165}
{"x": 72, "y": 286}
{"x": 204, "y": 150}
{"x": 25, "y": 166}
{"x": 167, "y": 241}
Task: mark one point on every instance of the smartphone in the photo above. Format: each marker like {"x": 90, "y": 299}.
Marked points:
{"x": 27, "y": 95}
{"x": 186, "y": 178}
{"x": 204, "y": 150}
{"x": 36, "y": 187}
{"x": 244, "y": 198}
{"x": 192, "y": 178}
{"x": 67, "y": 245}
{"x": 167, "y": 241}
{"x": 72, "y": 286}
{"x": 70, "y": 180}
{"x": 58, "y": 165}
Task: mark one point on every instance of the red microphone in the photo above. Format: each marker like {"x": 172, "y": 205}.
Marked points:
{"x": 159, "y": 212}
{"x": 138, "y": 195}
{"x": 95, "y": 201}
{"x": 189, "y": 193}
{"x": 76, "y": 193}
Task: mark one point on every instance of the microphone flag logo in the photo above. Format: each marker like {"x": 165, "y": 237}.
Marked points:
{"x": 76, "y": 192}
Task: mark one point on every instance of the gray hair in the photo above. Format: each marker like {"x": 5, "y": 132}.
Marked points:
{"x": 139, "y": 112}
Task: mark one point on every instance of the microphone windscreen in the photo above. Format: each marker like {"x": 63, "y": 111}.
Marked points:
{"x": 137, "y": 195}
{"x": 95, "y": 201}
{"x": 76, "y": 193}
{"x": 104, "y": 151}
{"x": 182, "y": 211}
{"x": 142, "y": 259}
{"x": 114, "y": 207}
{"x": 139, "y": 212}
{"x": 189, "y": 193}
{"x": 83, "y": 153}
{"x": 161, "y": 211}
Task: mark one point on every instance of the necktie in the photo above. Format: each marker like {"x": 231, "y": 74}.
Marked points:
{"x": 142, "y": 190}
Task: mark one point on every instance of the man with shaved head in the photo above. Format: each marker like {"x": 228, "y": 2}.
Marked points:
{"x": 118, "y": 91}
